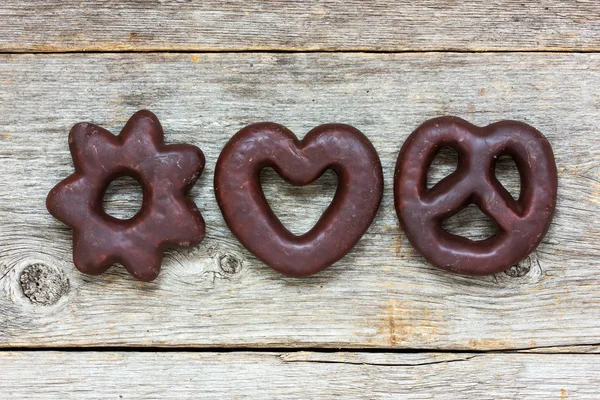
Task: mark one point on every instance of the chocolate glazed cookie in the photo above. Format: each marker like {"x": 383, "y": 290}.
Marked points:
{"x": 239, "y": 194}
{"x": 168, "y": 218}
{"x": 522, "y": 223}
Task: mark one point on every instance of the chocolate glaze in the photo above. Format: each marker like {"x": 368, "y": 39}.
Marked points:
{"x": 167, "y": 218}
{"x": 239, "y": 194}
{"x": 522, "y": 223}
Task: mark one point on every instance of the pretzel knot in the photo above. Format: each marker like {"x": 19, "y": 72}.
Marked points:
{"x": 167, "y": 217}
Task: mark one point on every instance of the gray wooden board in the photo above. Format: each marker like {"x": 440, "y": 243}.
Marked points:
{"x": 304, "y": 375}
{"x": 382, "y": 294}
{"x": 296, "y": 25}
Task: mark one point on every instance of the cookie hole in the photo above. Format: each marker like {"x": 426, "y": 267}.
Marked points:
{"x": 298, "y": 207}
{"x": 471, "y": 223}
{"x": 123, "y": 198}
{"x": 507, "y": 173}
{"x": 444, "y": 163}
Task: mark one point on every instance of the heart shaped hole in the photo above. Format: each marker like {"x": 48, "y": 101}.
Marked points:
{"x": 444, "y": 163}
{"x": 508, "y": 175}
{"x": 471, "y": 223}
{"x": 298, "y": 207}
{"x": 123, "y": 198}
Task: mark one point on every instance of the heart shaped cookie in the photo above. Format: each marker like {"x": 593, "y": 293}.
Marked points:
{"x": 239, "y": 194}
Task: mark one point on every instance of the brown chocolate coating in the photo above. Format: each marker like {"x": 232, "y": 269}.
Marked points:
{"x": 522, "y": 223}
{"x": 239, "y": 194}
{"x": 167, "y": 218}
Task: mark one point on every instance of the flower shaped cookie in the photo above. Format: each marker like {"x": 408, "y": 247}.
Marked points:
{"x": 168, "y": 218}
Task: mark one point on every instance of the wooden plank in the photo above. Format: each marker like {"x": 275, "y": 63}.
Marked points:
{"x": 82, "y": 375}
{"x": 382, "y": 294}
{"x": 293, "y": 25}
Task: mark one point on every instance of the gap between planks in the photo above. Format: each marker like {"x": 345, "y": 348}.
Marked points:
{"x": 299, "y": 52}
{"x": 574, "y": 350}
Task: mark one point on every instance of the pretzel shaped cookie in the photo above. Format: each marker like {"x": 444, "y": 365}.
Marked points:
{"x": 522, "y": 223}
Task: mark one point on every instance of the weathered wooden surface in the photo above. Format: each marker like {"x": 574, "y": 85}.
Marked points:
{"x": 296, "y": 25}
{"x": 59, "y": 375}
{"x": 382, "y": 294}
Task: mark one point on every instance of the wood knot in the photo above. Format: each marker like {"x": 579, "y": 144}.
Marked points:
{"x": 229, "y": 264}
{"x": 521, "y": 269}
{"x": 43, "y": 284}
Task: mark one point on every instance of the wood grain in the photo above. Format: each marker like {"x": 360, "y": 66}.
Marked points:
{"x": 383, "y": 294}
{"x": 114, "y": 375}
{"x": 297, "y": 25}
